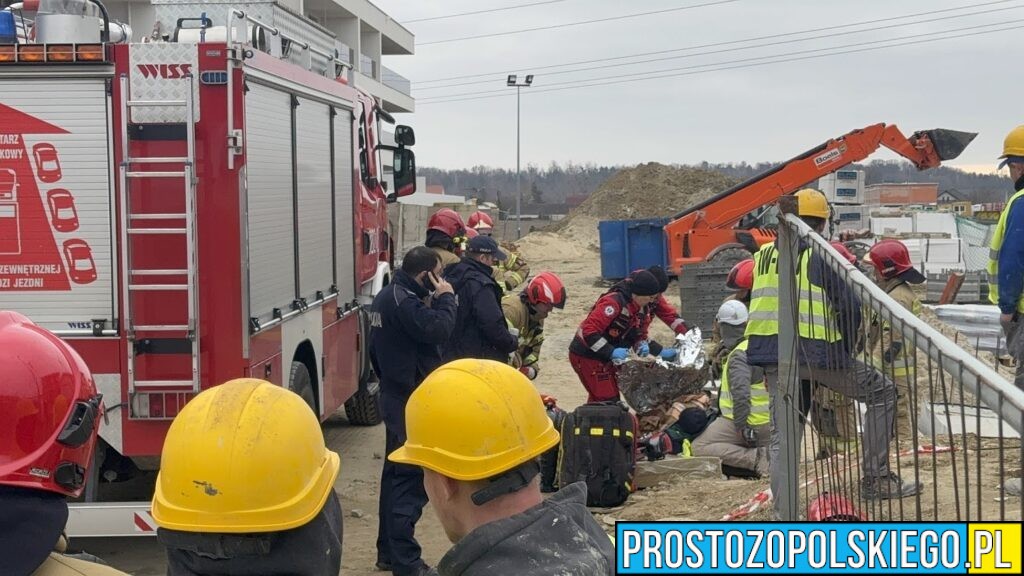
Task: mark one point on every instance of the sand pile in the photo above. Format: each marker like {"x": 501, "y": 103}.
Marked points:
{"x": 649, "y": 190}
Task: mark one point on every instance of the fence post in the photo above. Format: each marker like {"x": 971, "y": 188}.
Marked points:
{"x": 786, "y": 408}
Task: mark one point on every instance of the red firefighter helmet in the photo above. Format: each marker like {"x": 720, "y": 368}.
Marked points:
{"x": 546, "y": 288}
{"x": 448, "y": 221}
{"x": 844, "y": 251}
{"x": 49, "y": 410}
{"x": 890, "y": 258}
{"x": 480, "y": 220}
{"x": 833, "y": 508}
{"x": 741, "y": 277}
{"x": 471, "y": 233}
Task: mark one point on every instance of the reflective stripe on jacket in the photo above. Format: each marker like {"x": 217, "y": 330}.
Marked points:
{"x": 531, "y": 331}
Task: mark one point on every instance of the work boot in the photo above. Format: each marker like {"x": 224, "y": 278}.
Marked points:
{"x": 887, "y": 487}
{"x": 383, "y": 565}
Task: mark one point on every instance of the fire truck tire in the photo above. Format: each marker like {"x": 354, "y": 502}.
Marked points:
{"x": 363, "y": 408}
{"x": 300, "y": 383}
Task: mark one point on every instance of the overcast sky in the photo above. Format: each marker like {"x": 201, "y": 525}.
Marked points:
{"x": 752, "y": 113}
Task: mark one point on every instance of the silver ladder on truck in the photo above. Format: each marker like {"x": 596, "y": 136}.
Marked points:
{"x": 129, "y": 171}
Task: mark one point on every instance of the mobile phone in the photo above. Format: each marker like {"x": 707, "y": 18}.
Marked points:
{"x": 431, "y": 281}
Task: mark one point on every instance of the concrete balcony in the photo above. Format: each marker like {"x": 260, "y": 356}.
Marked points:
{"x": 395, "y": 80}
{"x": 393, "y": 100}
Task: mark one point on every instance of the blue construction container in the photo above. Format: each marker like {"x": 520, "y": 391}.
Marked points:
{"x": 627, "y": 245}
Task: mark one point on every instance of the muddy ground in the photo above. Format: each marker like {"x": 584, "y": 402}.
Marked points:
{"x": 577, "y": 262}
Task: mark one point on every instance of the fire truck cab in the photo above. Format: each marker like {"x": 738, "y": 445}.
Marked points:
{"x": 206, "y": 205}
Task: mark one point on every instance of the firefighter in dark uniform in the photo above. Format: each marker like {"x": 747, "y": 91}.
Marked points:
{"x": 49, "y": 416}
{"x": 616, "y": 323}
{"x": 408, "y": 324}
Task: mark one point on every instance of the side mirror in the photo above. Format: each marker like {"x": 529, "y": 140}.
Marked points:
{"x": 404, "y": 174}
{"x": 404, "y": 135}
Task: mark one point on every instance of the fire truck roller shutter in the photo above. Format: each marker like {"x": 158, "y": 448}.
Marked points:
{"x": 313, "y": 163}
{"x": 345, "y": 272}
{"x": 271, "y": 233}
{"x": 56, "y": 261}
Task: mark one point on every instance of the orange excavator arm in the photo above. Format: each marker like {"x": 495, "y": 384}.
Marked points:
{"x": 696, "y": 234}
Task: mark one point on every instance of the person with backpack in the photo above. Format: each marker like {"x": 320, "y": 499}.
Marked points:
{"x": 616, "y": 324}
{"x": 481, "y": 330}
{"x": 741, "y": 435}
{"x": 476, "y": 428}
{"x": 50, "y": 415}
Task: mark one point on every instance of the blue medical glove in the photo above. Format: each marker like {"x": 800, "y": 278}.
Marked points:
{"x": 619, "y": 355}
{"x": 669, "y": 354}
{"x": 644, "y": 349}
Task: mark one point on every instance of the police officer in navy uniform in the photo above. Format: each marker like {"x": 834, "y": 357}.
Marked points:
{"x": 481, "y": 330}
{"x": 408, "y": 323}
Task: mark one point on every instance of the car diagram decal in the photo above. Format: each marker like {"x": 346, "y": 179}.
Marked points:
{"x": 30, "y": 256}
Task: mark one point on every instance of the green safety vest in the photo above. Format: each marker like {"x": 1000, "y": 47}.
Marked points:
{"x": 816, "y": 318}
{"x": 993, "y": 255}
{"x": 759, "y": 414}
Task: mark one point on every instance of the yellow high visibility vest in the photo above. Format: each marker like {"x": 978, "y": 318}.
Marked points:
{"x": 764, "y": 294}
{"x": 816, "y": 320}
{"x": 993, "y": 255}
{"x": 759, "y": 413}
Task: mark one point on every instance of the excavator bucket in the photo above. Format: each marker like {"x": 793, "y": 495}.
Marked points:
{"x": 948, "y": 144}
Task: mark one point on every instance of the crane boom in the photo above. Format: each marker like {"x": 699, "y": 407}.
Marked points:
{"x": 697, "y": 233}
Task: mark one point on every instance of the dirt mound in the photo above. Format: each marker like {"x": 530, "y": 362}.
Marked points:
{"x": 651, "y": 190}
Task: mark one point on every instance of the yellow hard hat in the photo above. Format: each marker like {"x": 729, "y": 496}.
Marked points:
{"x": 245, "y": 456}
{"x": 1013, "y": 145}
{"x": 474, "y": 419}
{"x": 811, "y": 202}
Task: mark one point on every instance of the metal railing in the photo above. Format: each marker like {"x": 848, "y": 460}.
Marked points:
{"x": 393, "y": 79}
{"x": 892, "y": 394}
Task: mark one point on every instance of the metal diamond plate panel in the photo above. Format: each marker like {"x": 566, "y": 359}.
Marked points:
{"x": 159, "y": 72}
{"x": 169, "y": 11}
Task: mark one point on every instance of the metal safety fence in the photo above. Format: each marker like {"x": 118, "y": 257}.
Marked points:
{"x": 881, "y": 395}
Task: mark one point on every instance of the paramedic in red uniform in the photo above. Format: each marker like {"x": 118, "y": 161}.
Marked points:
{"x": 661, "y": 308}
{"x": 616, "y": 323}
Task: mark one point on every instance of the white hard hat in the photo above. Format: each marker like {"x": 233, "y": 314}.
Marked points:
{"x": 733, "y": 312}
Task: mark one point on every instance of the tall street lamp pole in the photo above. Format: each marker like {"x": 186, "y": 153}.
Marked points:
{"x": 513, "y": 81}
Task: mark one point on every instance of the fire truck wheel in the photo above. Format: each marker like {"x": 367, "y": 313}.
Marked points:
{"x": 300, "y": 383}
{"x": 363, "y": 408}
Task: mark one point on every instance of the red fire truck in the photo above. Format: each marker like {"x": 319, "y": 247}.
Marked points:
{"x": 186, "y": 213}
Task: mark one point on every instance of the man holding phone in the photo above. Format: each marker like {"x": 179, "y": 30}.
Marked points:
{"x": 408, "y": 323}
